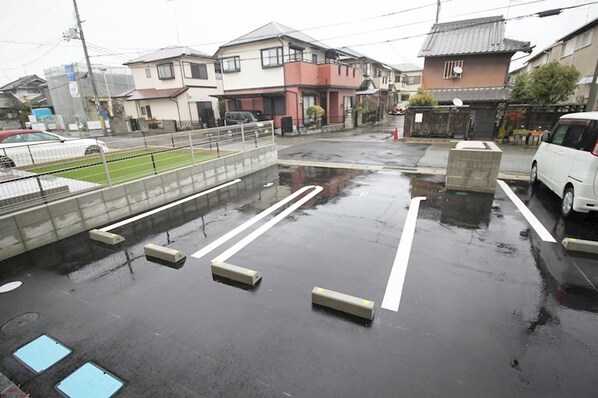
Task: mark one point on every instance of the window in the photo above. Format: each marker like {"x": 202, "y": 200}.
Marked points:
{"x": 295, "y": 54}
{"x": 13, "y": 139}
{"x": 308, "y": 101}
{"x": 195, "y": 71}
{"x": 165, "y": 71}
{"x": 450, "y": 69}
{"x": 569, "y": 47}
{"x": 584, "y": 39}
{"x": 314, "y": 58}
{"x": 339, "y": 70}
{"x": 559, "y": 134}
{"x": 274, "y": 105}
{"x": 414, "y": 80}
{"x": 574, "y": 136}
{"x": 33, "y": 137}
{"x": 148, "y": 73}
{"x": 218, "y": 70}
{"x": 231, "y": 64}
{"x": 367, "y": 69}
{"x": 272, "y": 57}
{"x": 404, "y": 97}
{"x": 348, "y": 101}
{"x": 397, "y": 78}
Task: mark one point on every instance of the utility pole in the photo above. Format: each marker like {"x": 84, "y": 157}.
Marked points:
{"x": 437, "y": 10}
{"x": 90, "y": 70}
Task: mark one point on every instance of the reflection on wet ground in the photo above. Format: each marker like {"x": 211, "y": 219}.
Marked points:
{"x": 485, "y": 301}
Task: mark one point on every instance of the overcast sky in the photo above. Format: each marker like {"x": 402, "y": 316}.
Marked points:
{"x": 118, "y": 30}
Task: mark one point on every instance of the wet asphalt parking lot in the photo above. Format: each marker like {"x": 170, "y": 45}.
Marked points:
{"x": 487, "y": 307}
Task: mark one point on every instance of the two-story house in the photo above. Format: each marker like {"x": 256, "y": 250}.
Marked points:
{"x": 175, "y": 83}
{"x": 578, "y": 48}
{"x": 469, "y": 60}
{"x": 27, "y": 89}
{"x": 282, "y": 72}
{"x": 410, "y": 80}
{"x": 378, "y": 80}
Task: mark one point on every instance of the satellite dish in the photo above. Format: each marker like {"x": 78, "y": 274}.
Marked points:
{"x": 457, "y": 70}
{"x": 457, "y": 102}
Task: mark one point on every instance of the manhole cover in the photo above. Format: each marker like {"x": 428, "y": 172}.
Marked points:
{"x": 20, "y": 322}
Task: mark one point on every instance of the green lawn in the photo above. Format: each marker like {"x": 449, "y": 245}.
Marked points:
{"x": 124, "y": 166}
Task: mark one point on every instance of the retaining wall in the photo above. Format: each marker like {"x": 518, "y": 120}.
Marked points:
{"x": 41, "y": 225}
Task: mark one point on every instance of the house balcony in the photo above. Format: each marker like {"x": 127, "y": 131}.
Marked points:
{"x": 325, "y": 74}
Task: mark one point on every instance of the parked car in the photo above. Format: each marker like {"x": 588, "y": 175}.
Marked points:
{"x": 27, "y": 147}
{"x": 240, "y": 117}
{"x": 399, "y": 108}
{"x": 567, "y": 162}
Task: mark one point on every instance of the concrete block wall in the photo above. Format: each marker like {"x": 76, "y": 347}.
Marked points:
{"x": 41, "y": 225}
{"x": 473, "y": 166}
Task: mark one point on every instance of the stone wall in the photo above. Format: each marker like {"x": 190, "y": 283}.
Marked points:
{"x": 41, "y": 225}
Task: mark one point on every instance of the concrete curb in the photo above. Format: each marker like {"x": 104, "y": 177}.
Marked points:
{"x": 8, "y": 389}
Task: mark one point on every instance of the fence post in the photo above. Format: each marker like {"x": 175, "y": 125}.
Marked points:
{"x": 105, "y": 167}
{"x": 217, "y": 149}
{"x": 272, "y": 130}
{"x": 191, "y": 148}
{"x": 242, "y": 138}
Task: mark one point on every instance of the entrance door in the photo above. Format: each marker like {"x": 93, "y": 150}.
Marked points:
{"x": 324, "y": 104}
{"x": 205, "y": 113}
{"x": 483, "y": 123}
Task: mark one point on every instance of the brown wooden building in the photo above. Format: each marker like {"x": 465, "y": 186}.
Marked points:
{"x": 470, "y": 60}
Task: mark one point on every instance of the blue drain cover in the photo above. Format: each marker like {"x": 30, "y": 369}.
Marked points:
{"x": 89, "y": 381}
{"x": 41, "y": 353}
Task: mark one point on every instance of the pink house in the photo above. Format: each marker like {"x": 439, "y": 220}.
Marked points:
{"x": 281, "y": 72}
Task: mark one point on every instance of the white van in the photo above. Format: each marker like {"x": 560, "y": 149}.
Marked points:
{"x": 567, "y": 162}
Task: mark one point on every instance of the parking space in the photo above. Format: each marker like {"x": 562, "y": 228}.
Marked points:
{"x": 487, "y": 308}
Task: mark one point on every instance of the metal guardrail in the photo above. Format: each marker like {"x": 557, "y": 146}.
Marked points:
{"x": 45, "y": 175}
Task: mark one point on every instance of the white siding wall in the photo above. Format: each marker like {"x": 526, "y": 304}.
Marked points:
{"x": 167, "y": 109}
{"x": 252, "y": 75}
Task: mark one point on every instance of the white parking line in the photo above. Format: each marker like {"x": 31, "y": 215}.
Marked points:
{"x": 394, "y": 287}
{"x": 529, "y": 216}
{"x": 252, "y": 236}
{"x": 249, "y": 223}
{"x": 168, "y": 206}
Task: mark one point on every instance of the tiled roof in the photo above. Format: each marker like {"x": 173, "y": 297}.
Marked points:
{"x": 168, "y": 53}
{"x": 22, "y": 81}
{"x": 7, "y": 100}
{"x": 472, "y": 36}
{"x": 482, "y": 94}
{"x": 408, "y": 67}
{"x": 273, "y": 30}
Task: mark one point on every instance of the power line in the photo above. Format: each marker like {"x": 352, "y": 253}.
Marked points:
{"x": 35, "y": 60}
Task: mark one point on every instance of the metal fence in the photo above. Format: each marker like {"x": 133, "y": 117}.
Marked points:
{"x": 40, "y": 173}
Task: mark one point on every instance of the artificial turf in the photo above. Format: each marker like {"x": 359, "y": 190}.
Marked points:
{"x": 124, "y": 166}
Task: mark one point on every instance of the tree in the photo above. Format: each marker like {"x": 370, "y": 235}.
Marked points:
{"x": 315, "y": 111}
{"x": 422, "y": 98}
{"x": 549, "y": 84}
